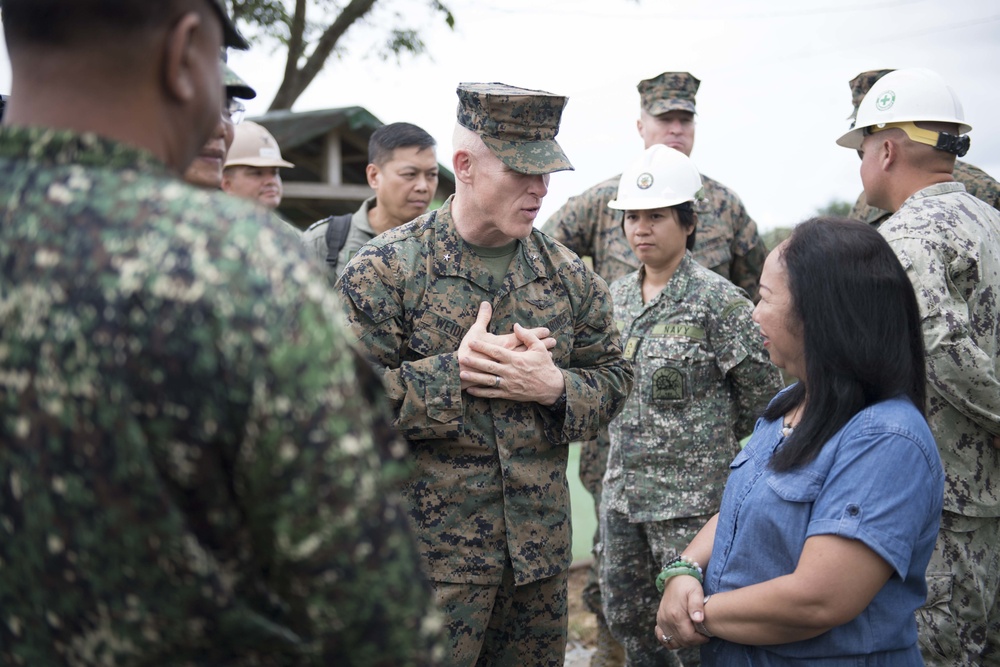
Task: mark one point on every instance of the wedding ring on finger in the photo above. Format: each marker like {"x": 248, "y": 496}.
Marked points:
{"x": 496, "y": 382}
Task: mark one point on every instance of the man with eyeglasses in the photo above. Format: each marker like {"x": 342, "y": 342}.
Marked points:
{"x": 205, "y": 170}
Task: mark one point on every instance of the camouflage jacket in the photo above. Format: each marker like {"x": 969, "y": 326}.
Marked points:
{"x": 491, "y": 481}
{"x": 726, "y": 239}
{"x": 949, "y": 244}
{"x": 189, "y": 472}
{"x": 702, "y": 377}
{"x": 977, "y": 183}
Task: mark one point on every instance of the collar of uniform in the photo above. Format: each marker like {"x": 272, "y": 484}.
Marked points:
{"x": 935, "y": 190}
{"x": 52, "y": 147}
{"x": 454, "y": 258}
{"x": 677, "y": 287}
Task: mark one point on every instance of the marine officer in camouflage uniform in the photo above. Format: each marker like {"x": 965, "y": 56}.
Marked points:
{"x": 188, "y": 472}
{"x": 977, "y": 182}
{"x": 403, "y": 171}
{"x": 702, "y": 377}
{"x": 909, "y": 129}
{"x": 497, "y": 348}
{"x": 727, "y": 243}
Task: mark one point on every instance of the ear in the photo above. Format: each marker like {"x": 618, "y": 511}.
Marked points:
{"x": 180, "y": 58}
{"x": 638, "y": 126}
{"x": 889, "y": 152}
{"x": 462, "y": 164}
{"x": 372, "y": 173}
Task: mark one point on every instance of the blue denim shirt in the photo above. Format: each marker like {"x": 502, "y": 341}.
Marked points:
{"x": 878, "y": 480}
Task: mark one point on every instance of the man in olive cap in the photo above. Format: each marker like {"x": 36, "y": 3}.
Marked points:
{"x": 497, "y": 349}
{"x": 977, "y": 182}
{"x": 192, "y": 453}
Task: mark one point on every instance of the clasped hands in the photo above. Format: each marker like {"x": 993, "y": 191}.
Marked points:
{"x": 681, "y": 607}
{"x": 521, "y": 360}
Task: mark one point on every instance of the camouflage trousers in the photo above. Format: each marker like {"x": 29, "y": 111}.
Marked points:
{"x": 593, "y": 463}
{"x": 505, "y": 625}
{"x": 632, "y": 555}
{"x": 960, "y": 623}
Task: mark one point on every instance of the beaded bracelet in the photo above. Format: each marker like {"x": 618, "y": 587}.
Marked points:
{"x": 677, "y": 566}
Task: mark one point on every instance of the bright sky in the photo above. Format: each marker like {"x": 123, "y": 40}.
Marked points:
{"x": 774, "y": 93}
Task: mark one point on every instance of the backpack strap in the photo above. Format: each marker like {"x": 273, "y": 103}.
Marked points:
{"x": 337, "y": 229}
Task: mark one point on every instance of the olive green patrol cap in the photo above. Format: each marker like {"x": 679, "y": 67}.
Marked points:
{"x": 235, "y": 86}
{"x": 861, "y": 84}
{"x": 231, "y": 36}
{"x": 517, "y": 124}
{"x": 669, "y": 91}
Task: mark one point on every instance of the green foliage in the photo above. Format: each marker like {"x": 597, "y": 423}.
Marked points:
{"x": 837, "y": 207}
{"x": 773, "y": 237}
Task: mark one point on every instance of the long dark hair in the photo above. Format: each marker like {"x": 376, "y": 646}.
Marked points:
{"x": 860, "y": 326}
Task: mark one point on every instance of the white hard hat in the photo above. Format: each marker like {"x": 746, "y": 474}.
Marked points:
{"x": 253, "y": 146}
{"x": 661, "y": 177}
{"x": 903, "y": 97}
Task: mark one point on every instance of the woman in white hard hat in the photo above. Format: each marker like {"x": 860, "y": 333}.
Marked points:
{"x": 701, "y": 379}
{"x": 818, "y": 553}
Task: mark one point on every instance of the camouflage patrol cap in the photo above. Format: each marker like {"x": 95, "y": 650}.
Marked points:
{"x": 235, "y": 86}
{"x": 231, "y": 36}
{"x": 861, "y": 84}
{"x": 669, "y": 91}
{"x": 518, "y": 125}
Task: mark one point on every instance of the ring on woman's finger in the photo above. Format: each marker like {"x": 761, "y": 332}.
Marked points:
{"x": 667, "y": 639}
{"x": 496, "y": 382}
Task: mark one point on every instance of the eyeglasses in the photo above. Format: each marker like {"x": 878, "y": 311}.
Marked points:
{"x": 233, "y": 111}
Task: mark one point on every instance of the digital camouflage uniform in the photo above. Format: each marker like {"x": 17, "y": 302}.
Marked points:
{"x": 702, "y": 377}
{"x": 190, "y": 471}
{"x": 977, "y": 183}
{"x": 490, "y": 498}
{"x": 949, "y": 244}
{"x": 726, "y": 242}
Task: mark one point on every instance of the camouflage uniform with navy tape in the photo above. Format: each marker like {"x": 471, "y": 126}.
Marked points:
{"x": 726, "y": 242}
{"x": 702, "y": 377}
{"x": 192, "y": 466}
{"x": 949, "y": 244}
{"x": 490, "y": 499}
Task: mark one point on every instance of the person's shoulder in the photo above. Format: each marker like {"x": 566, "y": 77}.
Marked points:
{"x": 896, "y": 416}
{"x": 717, "y": 189}
{"x": 555, "y": 253}
{"x": 710, "y": 285}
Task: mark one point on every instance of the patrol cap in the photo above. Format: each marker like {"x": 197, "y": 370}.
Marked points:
{"x": 235, "y": 86}
{"x": 253, "y": 146}
{"x": 669, "y": 91}
{"x": 861, "y": 84}
{"x": 518, "y": 125}
{"x": 230, "y": 35}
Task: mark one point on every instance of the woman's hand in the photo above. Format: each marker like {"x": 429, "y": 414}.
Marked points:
{"x": 681, "y": 606}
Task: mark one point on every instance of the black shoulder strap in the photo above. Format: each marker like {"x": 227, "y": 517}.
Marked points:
{"x": 336, "y": 236}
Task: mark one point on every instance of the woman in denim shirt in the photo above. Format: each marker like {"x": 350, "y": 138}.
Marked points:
{"x": 830, "y": 513}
